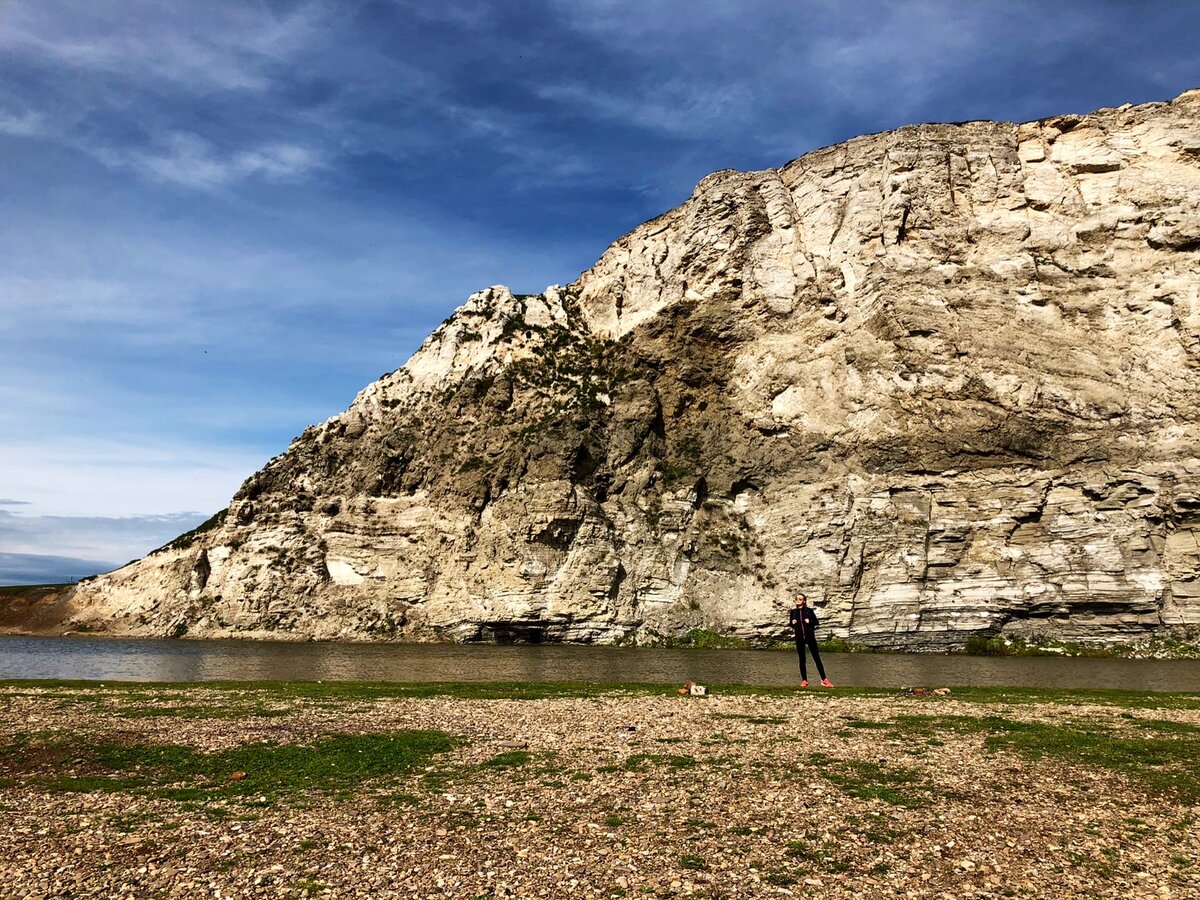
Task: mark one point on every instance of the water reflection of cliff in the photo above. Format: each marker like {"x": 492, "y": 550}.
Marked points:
{"x": 99, "y": 659}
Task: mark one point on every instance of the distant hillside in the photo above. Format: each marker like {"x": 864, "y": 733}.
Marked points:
{"x": 35, "y": 568}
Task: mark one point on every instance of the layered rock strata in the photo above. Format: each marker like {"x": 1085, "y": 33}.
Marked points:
{"x": 945, "y": 379}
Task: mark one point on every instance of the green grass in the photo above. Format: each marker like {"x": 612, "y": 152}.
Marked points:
{"x": 259, "y": 693}
{"x": 780, "y": 878}
{"x": 510, "y": 759}
{"x": 1165, "y": 762}
{"x": 867, "y": 724}
{"x": 185, "y": 540}
{"x": 1023, "y": 695}
{"x": 877, "y": 829}
{"x": 155, "y": 694}
{"x": 1166, "y": 727}
{"x": 332, "y": 764}
{"x": 894, "y": 785}
{"x": 338, "y": 691}
{"x": 1164, "y": 646}
{"x": 639, "y": 762}
{"x": 816, "y": 858}
{"x": 200, "y": 712}
{"x": 12, "y": 589}
{"x": 702, "y": 639}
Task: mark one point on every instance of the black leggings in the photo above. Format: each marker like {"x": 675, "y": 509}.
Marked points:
{"x": 816, "y": 655}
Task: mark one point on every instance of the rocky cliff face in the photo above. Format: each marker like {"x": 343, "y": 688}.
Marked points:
{"x": 946, "y": 380}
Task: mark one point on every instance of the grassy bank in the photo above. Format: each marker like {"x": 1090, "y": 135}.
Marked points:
{"x": 31, "y": 609}
{"x": 238, "y": 698}
{"x": 1161, "y": 647}
{"x": 10, "y": 590}
{"x": 241, "y": 691}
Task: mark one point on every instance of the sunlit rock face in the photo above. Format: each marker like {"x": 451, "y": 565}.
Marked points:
{"x": 946, "y": 380}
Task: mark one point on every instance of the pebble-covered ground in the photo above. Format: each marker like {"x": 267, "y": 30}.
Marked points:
{"x": 810, "y": 794}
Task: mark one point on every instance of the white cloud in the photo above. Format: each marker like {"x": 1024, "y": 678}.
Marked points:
{"x": 277, "y": 161}
{"x": 699, "y": 71}
{"x": 191, "y": 161}
{"x": 223, "y": 46}
{"x": 125, "y": 58}
{"x": 108, "y": 477}
{"x": 677, "y": 108}
{"x": 612, "y": 19}
{"x": 114, "y": 539}
{"x": 26, "y": 125}
{"x": 473, "y": 15}
{"x": 69, "y": 299}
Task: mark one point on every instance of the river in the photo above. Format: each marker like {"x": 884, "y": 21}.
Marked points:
{"x": 101, "y": 659}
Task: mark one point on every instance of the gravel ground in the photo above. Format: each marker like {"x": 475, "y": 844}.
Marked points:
{"x": 617, "y": 795}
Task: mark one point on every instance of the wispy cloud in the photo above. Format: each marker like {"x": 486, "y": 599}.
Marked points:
{"x": 223, "y": 46}
{"x": 115, "y": 539}
{"x": 141, "y": 86}
{"x": 778, "y": 75}
{"x": 191, "y": 161}
{"x": 122, "y": 478}
{"x": 676, "y": 108}
{"x": 25, "y": 125}
{"x": 474, "y": 15}
{"x": 223, "y": 219}
{"x": 45, "y": 568}
{"x": 70, "y": 299}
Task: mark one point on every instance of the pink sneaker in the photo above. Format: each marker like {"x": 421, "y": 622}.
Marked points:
{"x": 804, "y": 684}
{"x": 825, "y": 682}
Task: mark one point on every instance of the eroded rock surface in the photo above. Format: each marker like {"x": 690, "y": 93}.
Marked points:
{"x": 943, "y": 379}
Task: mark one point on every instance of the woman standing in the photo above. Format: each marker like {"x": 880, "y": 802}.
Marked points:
{"x": 804, "y": 623}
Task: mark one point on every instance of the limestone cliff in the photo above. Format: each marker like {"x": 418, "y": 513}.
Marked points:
{"x": 944, "y": 379}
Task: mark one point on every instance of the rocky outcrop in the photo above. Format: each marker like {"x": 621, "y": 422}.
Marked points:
{"x": 946, "y": 380}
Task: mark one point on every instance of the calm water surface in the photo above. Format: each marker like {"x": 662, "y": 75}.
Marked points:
{"x": 98, "y": 659}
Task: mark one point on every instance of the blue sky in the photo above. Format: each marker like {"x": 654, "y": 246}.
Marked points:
{"x": 221, "y": 220}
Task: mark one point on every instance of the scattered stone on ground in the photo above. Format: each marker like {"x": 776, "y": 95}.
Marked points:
{"x": 808, "y": 795}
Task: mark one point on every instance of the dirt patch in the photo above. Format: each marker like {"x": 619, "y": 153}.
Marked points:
{"x": 38, "y": 609}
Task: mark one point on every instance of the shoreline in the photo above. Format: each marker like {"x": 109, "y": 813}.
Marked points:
{"x": 483, "y": 689}
{"x": 1155, "y": 649}
{"x": 21, "y": 605}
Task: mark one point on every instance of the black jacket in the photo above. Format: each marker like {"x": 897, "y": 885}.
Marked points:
{"x": 803, "y": 621}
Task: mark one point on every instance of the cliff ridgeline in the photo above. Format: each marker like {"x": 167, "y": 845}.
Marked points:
{"x": 946, "y": 380}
